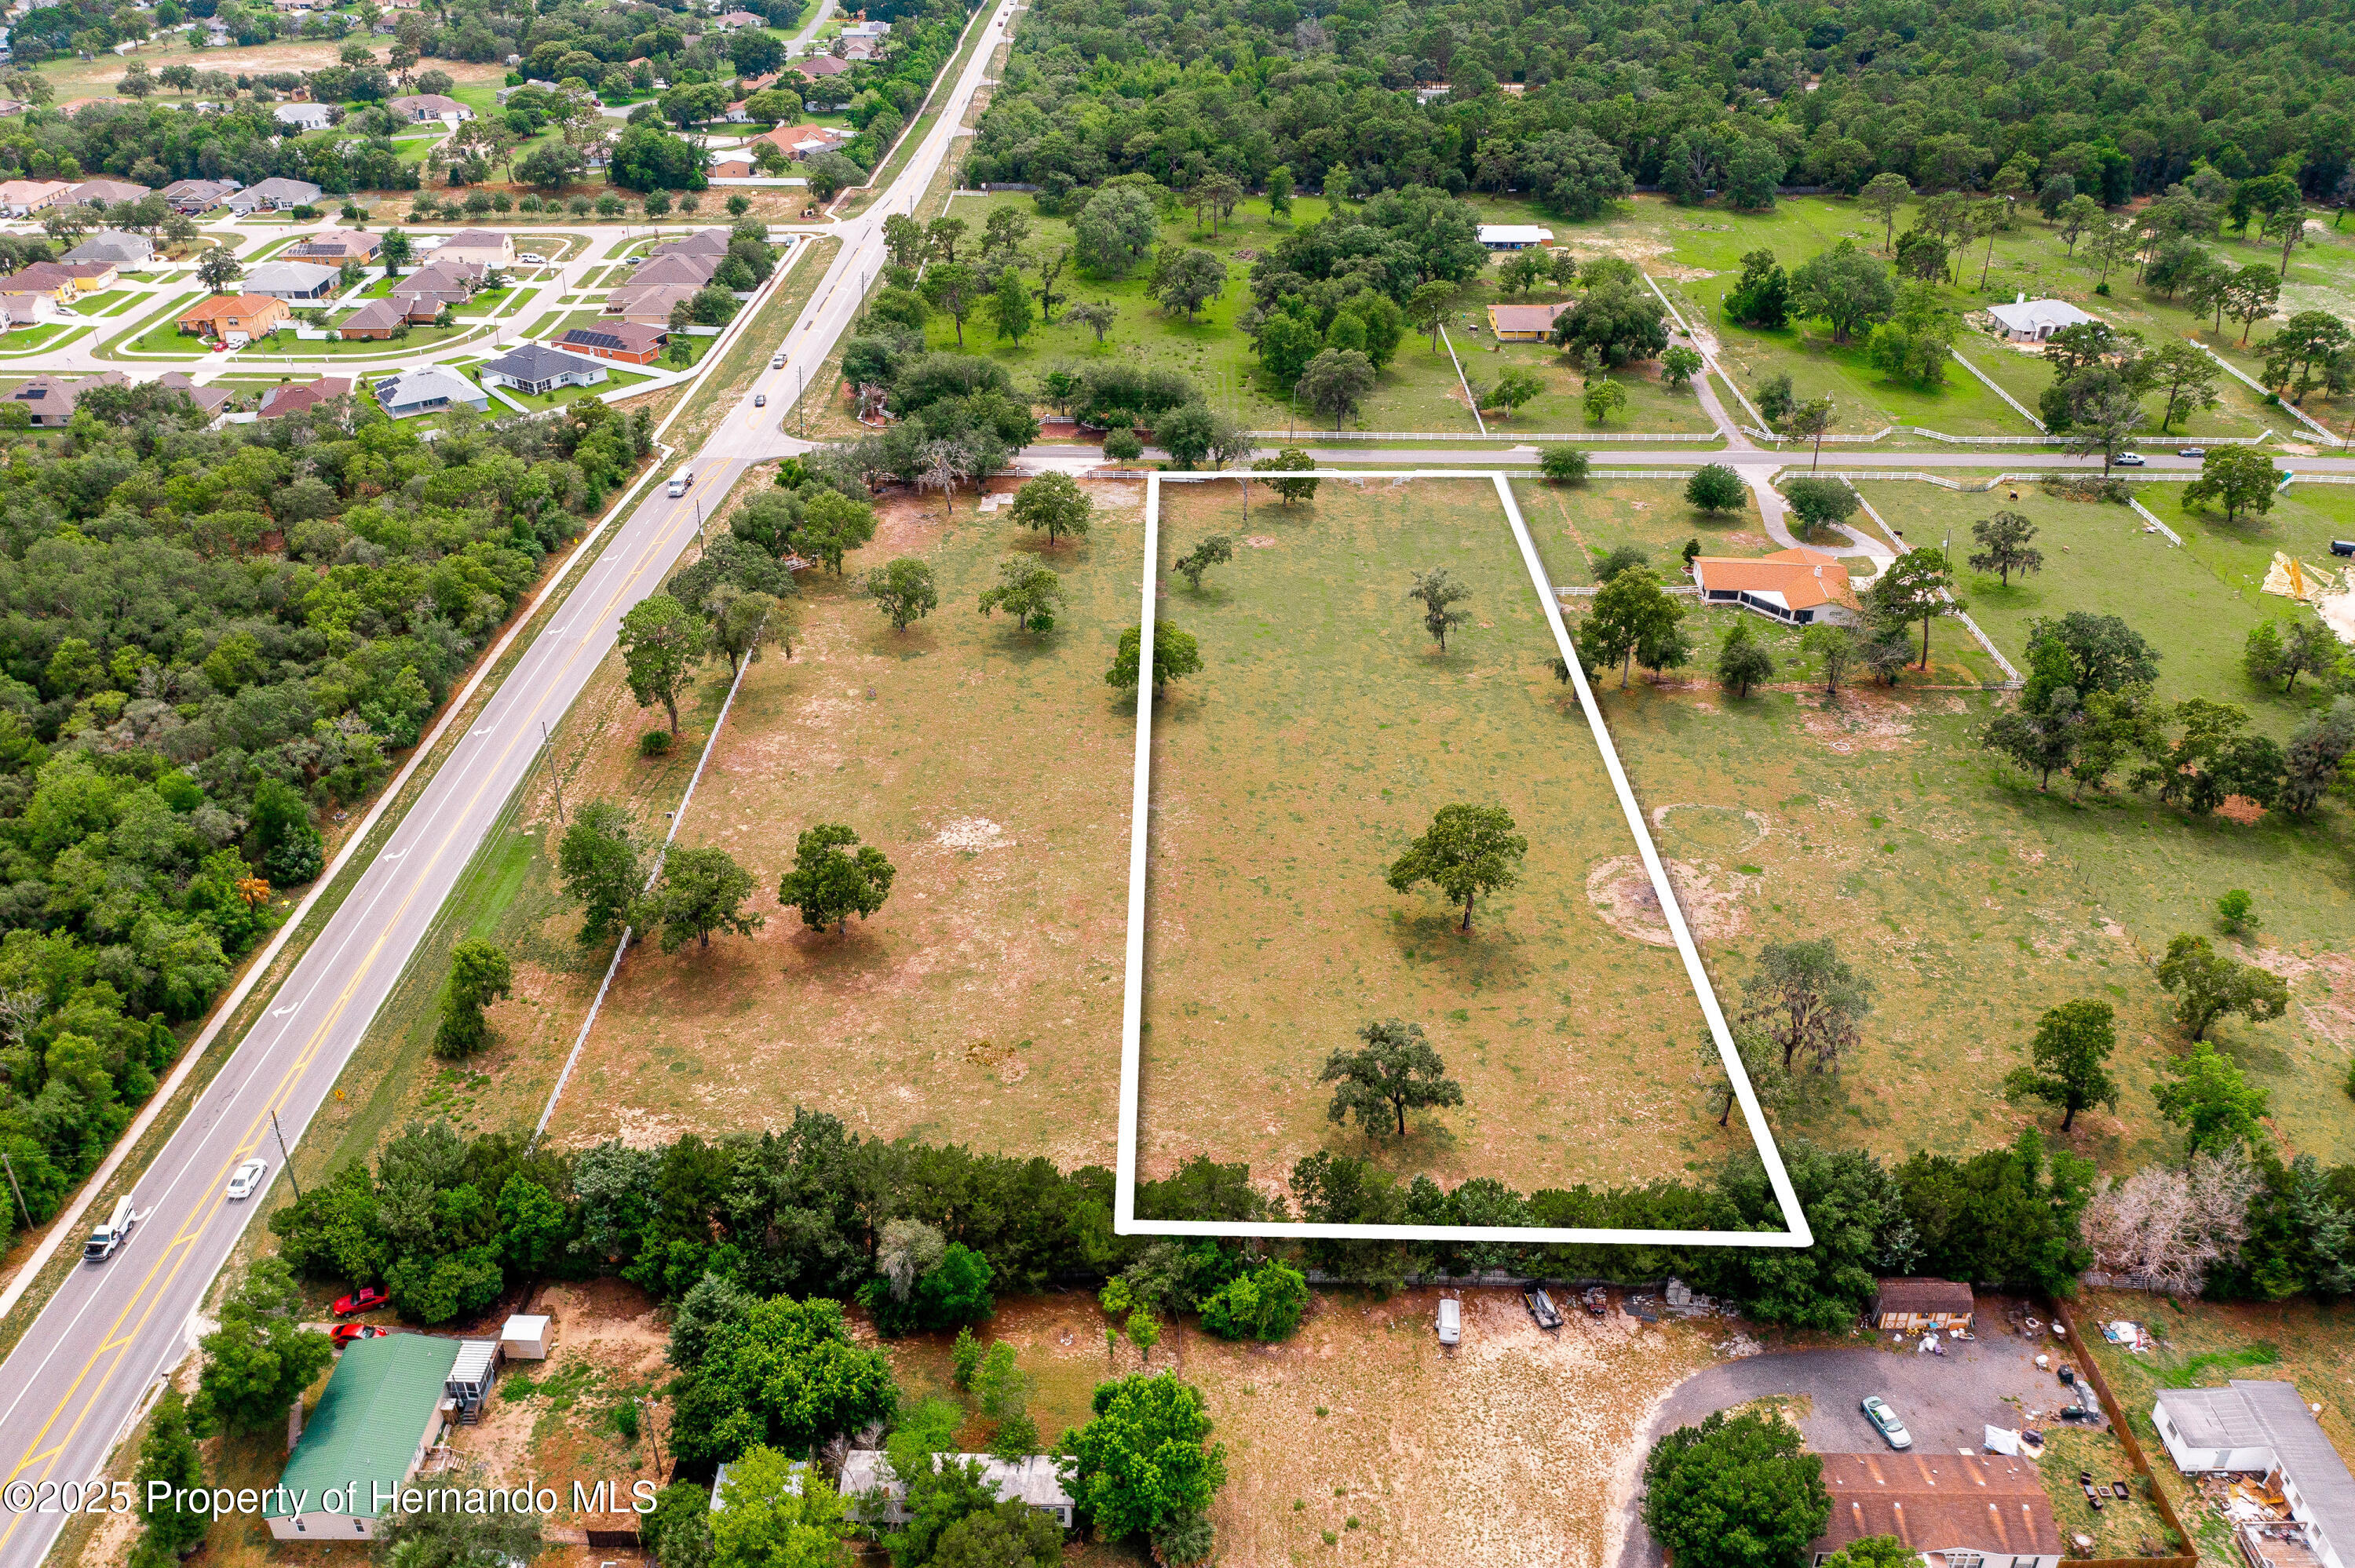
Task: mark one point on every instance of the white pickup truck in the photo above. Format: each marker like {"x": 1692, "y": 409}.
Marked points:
{"x": 109, "y": 1236}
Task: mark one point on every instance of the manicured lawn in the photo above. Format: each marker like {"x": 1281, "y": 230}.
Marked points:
{"x": 48, "y": 335}
{"x": 557, "y": 400}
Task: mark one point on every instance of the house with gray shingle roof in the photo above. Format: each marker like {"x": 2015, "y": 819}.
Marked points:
{"x": 2264, "y": 1426}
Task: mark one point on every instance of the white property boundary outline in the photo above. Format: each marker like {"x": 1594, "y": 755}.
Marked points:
{"x": 1124, "y": 1220}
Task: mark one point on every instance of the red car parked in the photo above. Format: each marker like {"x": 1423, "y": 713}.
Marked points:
{"x": 344, "y": 1333}
{"x": 366, "y": 1299}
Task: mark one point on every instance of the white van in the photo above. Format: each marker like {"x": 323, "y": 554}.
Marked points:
{"x": 680, "y": 481}
{"x": 111, "y": 1235}
{"x": 1451, "y": 1321}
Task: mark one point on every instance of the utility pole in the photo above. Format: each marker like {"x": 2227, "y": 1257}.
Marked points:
{"x": 284, "y": 1154}
{"x": 555, "y": 774}
{"x": 18, "y": 1190}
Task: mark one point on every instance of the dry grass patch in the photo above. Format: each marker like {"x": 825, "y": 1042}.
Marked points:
{"x": 981, "y": 1005}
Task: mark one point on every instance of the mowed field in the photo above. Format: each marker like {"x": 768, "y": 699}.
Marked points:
{"x": 1324, "y": 730}
{"x": 993, "y": 767}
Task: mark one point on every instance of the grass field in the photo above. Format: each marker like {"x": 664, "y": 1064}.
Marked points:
{"x": 2204, "y": 1344}
{"x": 1321, "y": 735}
{"x": 981, "y": 1005}
{"x": 2196, "y": 604}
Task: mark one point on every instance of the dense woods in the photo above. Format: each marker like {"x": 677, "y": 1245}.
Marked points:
{"x": 2125, "y": 100}
{"x": 206, "y": 638}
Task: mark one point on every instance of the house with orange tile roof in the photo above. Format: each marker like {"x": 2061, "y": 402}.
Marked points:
{"x": 1799, "y": 586}
{"x": 229, "y": 316}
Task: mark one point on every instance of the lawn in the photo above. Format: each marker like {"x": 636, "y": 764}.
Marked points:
{"x": 47, "y": 335}
{"x": 542, "y": 401}
{"x": 1576, "y": 525}
{"x": 1323, "y": 732}
{"x": 1863, "y": 401}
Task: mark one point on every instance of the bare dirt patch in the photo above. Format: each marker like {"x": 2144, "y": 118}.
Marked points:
{"x": 1521, "y": 1448}
{"x": 1621, "y": 891}
{"x": 1857, "y": 720}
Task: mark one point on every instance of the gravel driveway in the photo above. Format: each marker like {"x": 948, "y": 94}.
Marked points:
{"x": 1946, "y": 1401}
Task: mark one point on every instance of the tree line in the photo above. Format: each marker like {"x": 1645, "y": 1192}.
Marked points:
{"x": 1733, "y": 103}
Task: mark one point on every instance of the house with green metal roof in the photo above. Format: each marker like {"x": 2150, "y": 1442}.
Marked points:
{"x": 380, "y": 1413}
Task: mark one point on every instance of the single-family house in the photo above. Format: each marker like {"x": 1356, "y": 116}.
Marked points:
{"x": 301, "y": 117}
{"x": 274, "y": 194}
{"x": 2264, "y": 1427}
{"x": 534, "y": 368}
{"x": 1958, "y": 1510}
{"x": 23, "y": 307}
{"x": 485, "y": 248}
{"x": 735, "y": 21}
{"x": 631, "y": 342}
{"x": 876, "y": 1494}
{"x": 800, "y": 142}
{"x": 336, "y": 246}
{"x": 1430, "y": 92}
{"x": 1501, "y": 237}
{"x": 1912, "y": 1306}
{"x": 651, "y": 305}
{"x": 711, "y": 242}
{"x": 863, "y": 28}
{"x": 194, "y": 197}
{"x": 419, "y": 106}
{"x": 816, "y": 68}
{"x": 22, "y": 199}
{"x": 379, "y": 1415}
{"x": 731, "y": 164}
{"x": 211, "y": 400}
{"x": 429, "y": 390}
{"x": 2032, "y": 321}
{"x": 293, "y": 280}
{"x": 1524, "y": 324}
{"x": 377, "y": 319}
{"x": 91, "y": 193}
{"x": 302, "y": 397}
{"x": 58, "y": 279}
{"x": 235, "y": 318}
{"x": 674, "y": 270}
{"x": 1799, "y": 586}
{"x": 49, "y": 399}
{"x": 118, "y": 245}
{"x": 856, "y": 49}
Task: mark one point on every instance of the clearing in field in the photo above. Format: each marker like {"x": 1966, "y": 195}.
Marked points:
{"x": 1324, "y": 731}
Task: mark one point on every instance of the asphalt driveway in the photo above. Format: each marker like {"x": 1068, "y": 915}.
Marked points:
{"x": 1946, "y": 1401}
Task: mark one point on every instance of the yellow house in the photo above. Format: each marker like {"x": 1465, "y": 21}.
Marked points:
{"x": 1524, "y": 324}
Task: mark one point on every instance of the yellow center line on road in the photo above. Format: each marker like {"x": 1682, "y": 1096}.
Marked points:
{"x": 183, "y": 1243}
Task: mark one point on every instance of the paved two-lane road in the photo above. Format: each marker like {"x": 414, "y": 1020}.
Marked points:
{"x": 74, "y": 1382}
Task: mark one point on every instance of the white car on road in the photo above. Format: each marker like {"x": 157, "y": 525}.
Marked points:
{"x": 246, "y": 1178}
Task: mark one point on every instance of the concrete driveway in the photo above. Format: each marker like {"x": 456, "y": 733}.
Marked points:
{"x": 1946, "y": 1401}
